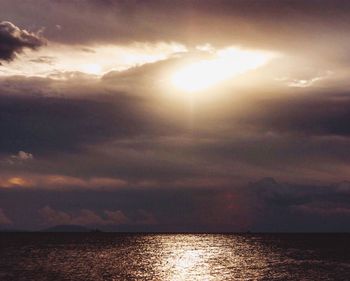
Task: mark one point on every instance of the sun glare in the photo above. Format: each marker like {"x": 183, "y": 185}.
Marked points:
{"x": 226, "y": 64}
{"x": 92, "y": 68}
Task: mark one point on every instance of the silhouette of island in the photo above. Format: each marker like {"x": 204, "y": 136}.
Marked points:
{"x": 67, "y": 228}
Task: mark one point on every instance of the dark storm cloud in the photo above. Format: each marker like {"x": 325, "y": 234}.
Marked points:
{"x": 13, "y": 40}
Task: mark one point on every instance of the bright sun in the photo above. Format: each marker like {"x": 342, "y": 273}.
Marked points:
{"x": 92, "y": 68}
{"x": 226, "y": 64}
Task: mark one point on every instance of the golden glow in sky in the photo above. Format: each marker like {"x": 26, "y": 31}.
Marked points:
{"x": 226, "y": 64}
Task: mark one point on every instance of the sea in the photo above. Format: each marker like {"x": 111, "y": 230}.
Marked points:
{"x": 116, "y": 256}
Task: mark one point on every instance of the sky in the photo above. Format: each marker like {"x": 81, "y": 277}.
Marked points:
{"x": 175, "y": 115}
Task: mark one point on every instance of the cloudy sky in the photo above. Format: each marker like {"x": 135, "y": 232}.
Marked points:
{"x": 175, "y": 115}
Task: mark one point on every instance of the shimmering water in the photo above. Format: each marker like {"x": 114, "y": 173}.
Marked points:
{"x": 107, "y": 256}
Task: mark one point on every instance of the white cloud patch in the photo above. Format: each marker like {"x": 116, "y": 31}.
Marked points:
{"x": 303, "y": 82}
{"x": 18, "y": 158}
{"x": 22, "y": 156}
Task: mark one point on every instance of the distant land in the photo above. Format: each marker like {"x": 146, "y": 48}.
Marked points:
{"x": 56, "y": 228}
{"x": 12, "y": 230}
{"x": 129, "y": 229}
{"x": 67, "y": 228}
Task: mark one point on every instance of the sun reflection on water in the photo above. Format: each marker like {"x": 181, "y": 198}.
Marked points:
{"x": 187, "y": 265}
{"x": 193, "y": 257}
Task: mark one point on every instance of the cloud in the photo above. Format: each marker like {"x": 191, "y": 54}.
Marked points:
{"x": 14, "y": 40}
{"x": 60, "y": 182}
{"x": 324, "y": 210}
{"x": 130, "y": 128}
{"x": 20, "y": 157}
{"x": 264, "y": 205}
{"x": 4, "y": 219}
{"x": 41, "y": 123}
{"x": 44, "y": 60}
{"x": 305, "y": 81}
{"x": 116, "y": 217}
{"x": 57, "y": 59}
{"x": 146, "y": 218}
{"x": 141, "y": 136}
{"x": 83, "y": 217}
{"x": 283, "y": 203}
{"x": 124, "y": 21}
{"x": 314, "y": 113}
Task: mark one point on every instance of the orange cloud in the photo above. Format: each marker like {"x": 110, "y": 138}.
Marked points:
{"x": 59, "y": 182}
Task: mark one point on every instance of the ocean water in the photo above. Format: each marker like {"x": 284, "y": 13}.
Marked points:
{"x": 111, "y": 256}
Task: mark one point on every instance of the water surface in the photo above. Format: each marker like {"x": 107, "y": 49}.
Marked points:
{"x": 110, "y": 256}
